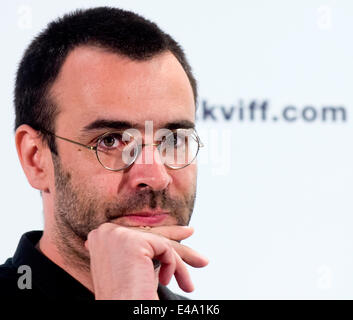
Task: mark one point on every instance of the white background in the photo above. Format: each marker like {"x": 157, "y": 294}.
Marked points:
{"x": 274, "y": 215}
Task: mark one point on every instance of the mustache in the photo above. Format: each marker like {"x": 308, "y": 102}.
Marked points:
{"x": 148, "y": 198}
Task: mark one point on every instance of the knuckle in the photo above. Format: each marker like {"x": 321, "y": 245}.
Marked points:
{"x": 123, "y": 234}
{"x": 91, "y": 234}
{"x": 104, "y": 227}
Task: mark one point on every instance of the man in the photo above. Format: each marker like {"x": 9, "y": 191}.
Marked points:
{"x": 102, "y": 96}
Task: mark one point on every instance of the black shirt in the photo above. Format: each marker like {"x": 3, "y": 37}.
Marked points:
{"x": 48, "y": 280}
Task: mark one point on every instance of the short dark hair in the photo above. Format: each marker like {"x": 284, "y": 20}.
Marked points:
{"x": 122, "y": 32}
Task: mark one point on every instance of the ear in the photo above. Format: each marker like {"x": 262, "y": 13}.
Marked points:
{"x": 33, "y": 155}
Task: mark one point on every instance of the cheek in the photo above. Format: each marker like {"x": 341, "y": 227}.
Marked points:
{"x": 184, "y": 180}
{"x": 78, "y": 158}
{"x": 88, "y": 174}
{"x": 104, "y": 184}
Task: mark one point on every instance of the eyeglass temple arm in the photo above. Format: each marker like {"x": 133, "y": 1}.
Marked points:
{"x": 78, "y": 143}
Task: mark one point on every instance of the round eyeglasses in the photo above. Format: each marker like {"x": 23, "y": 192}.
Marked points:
{"x": 117, "y": 150}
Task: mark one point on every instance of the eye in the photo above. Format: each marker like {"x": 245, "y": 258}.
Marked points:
{"x": 111, "y": 141}
{"x": 176, "y": 140}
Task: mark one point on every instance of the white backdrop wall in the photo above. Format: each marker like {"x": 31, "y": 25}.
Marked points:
{"x": 274, "y": 206}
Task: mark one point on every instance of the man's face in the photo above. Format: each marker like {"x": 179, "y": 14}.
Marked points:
{"x": 97, "y": 85}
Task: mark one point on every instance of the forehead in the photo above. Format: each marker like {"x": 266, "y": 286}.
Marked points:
{"x": 96, "y": 84}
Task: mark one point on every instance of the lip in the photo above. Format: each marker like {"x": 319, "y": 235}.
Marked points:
{"x": 146, "y": 218}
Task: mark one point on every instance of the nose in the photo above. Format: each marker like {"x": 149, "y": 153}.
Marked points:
{"x": 148, "y": 171}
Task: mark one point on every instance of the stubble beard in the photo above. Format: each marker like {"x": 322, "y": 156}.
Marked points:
{"x": 78, "y": 211}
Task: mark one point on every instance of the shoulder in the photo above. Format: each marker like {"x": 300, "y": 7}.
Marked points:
{"x": 9, "y": 278}
{"x": 7, "y": 270}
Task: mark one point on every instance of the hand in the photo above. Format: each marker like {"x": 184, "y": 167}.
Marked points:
{"x": 121, "y": 260}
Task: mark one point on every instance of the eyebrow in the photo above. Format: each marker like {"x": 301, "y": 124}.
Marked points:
{"x": 185, "y": 124}
{"x": 123, "y": 125}
{"x": 107, "y": 124}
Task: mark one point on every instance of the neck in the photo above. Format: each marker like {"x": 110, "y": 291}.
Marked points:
{"x": 66, "y": 260}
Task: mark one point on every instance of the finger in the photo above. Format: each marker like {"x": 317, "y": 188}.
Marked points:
{"x": 171, "y": 263}
{"x": 189, "y": 255}
{"x": 182, "y": 275}
{"x": 167, "y": 270}
{"x": 161, "y": 250}
{"x": 105, "y": 226}
{"x": 176, "y": 233}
